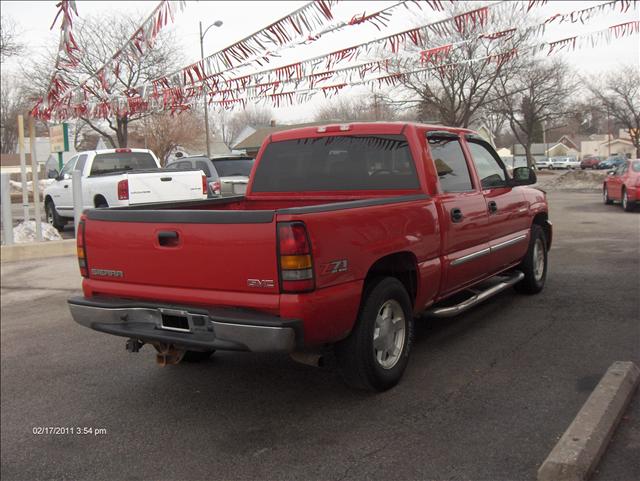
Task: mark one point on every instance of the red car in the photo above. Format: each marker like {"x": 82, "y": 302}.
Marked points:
{"x": 344, "y": 235}
{"x": 623, "y": 185}
{"x": 590, "y": 162}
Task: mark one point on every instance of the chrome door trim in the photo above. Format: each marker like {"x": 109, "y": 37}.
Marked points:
{"x": 508, "y": 243}
{"x": 470, "y": 257}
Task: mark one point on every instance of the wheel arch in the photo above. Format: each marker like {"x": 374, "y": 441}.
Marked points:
{"x": 97, "y": 198}
{"x": 402, "y": 265}
{"x": 542, "y": 219}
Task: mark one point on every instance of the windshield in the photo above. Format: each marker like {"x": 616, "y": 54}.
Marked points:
{"x": 119, "y": 161}
{"x": 340, "y": 163}
{"x": 227, "y": 168}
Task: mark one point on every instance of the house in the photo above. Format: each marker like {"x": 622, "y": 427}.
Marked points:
{"x": 253, "y": 142}
{"x": 603, "y": 145}
{"x": 539, "y": 150}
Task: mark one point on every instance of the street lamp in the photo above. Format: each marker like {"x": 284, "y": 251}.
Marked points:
{"x": 217, "y": 23}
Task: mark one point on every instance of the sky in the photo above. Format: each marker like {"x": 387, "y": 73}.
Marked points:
{"x": 241, "y": 18}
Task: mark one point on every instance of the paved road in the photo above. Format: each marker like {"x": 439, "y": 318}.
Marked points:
{"x": 486, "y": 395}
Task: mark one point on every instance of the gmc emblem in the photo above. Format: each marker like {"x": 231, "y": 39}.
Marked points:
{"x": 260, "y": 283}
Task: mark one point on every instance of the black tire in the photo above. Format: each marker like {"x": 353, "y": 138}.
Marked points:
{"x": 605, "y": 195}
{"x": 52, "y": 216}
{"x": 357, "y": 357}
{"x": 534, "y": 279}
{"x": 197, "y": 356}
{"x": 627, "y": 205}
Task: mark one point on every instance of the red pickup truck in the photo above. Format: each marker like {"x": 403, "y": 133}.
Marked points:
{"x": 346, "y": 234}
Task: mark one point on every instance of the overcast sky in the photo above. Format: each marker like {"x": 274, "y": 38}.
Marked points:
{"x": 240, "y": 19}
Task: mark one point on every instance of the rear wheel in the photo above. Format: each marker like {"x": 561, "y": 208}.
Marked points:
{"x": 627, "y": 205}
{"x": 605, "y": 195}
{"x": 534, "y": 264}
{"x": 52, "y": 216}
{"x": 375, "y": 354}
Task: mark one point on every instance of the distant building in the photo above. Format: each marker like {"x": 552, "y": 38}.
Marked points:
{"x": 253, "y": 142}
{"x": 602, "y": 145}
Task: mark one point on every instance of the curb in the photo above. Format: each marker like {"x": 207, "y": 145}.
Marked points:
{"x": 583, "y": 443}
{"x": 37, "y": 250}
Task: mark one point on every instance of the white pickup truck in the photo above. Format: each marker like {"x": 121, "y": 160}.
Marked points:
{"x": 117, "y": 177}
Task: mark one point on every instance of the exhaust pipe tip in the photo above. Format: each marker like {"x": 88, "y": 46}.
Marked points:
{"x": 309, "y": 358}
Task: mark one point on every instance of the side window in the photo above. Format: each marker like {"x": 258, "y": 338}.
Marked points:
{"x": 450, "y": 164}
{"x": 489, "y": 169}
{"x": 201, "y": 164}
{"x": 68, "y": 167}
{"x": 620, "y": 169}
{"x": 81, "y": 161}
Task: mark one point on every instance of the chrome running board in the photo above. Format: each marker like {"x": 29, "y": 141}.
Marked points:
{"x": 477, "y": 298}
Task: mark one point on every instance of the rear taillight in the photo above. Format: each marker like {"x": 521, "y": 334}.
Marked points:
{"x": 81, "y": 249}
{"x": 294, "y": 258}
{"x": 215, "y": 187}
{"x": 123, "y": 190}
{"x": 204, "y": 184}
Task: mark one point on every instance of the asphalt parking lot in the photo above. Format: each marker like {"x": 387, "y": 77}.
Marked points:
{"x": 485, "y": 397}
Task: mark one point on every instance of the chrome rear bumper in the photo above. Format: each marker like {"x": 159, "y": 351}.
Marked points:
{"x": 199, "y": 329}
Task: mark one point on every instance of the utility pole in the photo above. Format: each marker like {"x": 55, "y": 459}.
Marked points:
{"x": 217, "y": 23}
{"x": 608, "y": 134}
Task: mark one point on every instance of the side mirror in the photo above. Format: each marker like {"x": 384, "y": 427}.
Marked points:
{"x": 522, "y": 176}
{"x": 611, "y": 172}
{"x": 52, "y": 174}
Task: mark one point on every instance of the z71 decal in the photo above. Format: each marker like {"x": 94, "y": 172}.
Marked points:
{"x": 335, "y": 267}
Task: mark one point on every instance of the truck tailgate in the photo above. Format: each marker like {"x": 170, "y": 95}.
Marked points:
{"x": 211, "y": 250}
{"x": 165, "y": 186}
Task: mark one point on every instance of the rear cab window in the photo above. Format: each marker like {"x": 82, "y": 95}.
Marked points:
{"x": 230, "y": 168}
{"x": 337, "y": 163}
{"x": 121, "y": 162}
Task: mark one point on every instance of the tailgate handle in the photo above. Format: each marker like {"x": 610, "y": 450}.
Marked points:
{"x": 168, "y": 238}
{"x": 165, "y": 179}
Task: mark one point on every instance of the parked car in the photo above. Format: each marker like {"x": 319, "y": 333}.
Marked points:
{"x": 564, "y": 162}
{"x": 345, "y": 235}
{"x": 117, "y": 177}
{"x": 611, "y": 163}
{"x": 545, "y": 163}
{"x": 623, "y": 185}
{"x": 590, "y": 162}
{"x": 225, "y": 175}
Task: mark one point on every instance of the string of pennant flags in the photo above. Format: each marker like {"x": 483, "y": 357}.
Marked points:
{"x": 136, "y": 45}
{"x": 177, "y": 101}
{"x": 176, "y": 93}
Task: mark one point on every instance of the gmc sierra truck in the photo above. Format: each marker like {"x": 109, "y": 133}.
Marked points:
{"x": 346, "y": 233}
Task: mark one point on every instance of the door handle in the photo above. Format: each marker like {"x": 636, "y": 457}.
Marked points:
{"x": 493, "y": 207}
{"x": 456, "y": 215}
{"x": 66, "y": 186}
{"x": 168, "y": 238}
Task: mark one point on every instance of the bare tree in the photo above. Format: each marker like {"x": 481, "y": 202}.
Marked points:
{"x": 230, "y": 124}
{"x": 12, "y": 103}
{"x": 164, "y": 132}
{"x": 9, "y": 43}
{"x": 537, "y": 97}
{"x": 619, "y": 96}
{"x": 101, "y": 37}
{"x": 352, "y": 109}
{"x": 461, "y": 83}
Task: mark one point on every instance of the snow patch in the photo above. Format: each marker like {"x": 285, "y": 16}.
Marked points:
{"x": 26, "y": 232}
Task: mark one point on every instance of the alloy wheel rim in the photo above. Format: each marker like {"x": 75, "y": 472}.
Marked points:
{"x": 389, "y": 334}
{"x": 538, "y": 260}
